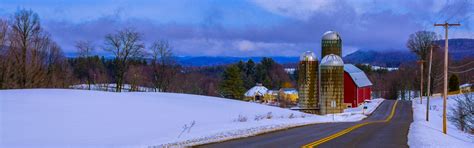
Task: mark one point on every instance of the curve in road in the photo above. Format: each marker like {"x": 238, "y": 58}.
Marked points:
{"x": 391, "y": 134}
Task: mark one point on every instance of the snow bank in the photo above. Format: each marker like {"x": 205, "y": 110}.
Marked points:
{"x": 80, "y": 118}
{"x": 430, "y": 134}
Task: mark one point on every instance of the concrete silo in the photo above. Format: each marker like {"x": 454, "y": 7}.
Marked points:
{"x": 331, "y": 43}
{"x": 308, "y": 83}
{"x": 331, "y": 78}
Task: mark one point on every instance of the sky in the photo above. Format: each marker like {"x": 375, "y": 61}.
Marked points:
{"x": 243, "y": 28}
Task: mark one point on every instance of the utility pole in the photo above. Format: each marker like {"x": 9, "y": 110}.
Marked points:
{"x": 428, "y": 94}
{"x": 446, "y": 26}
{"x": 421, "y": 82}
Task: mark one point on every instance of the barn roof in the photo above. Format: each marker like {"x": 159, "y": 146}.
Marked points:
{"x": 357, "y": 75}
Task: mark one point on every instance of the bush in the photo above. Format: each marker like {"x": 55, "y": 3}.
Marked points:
{"x": 462, "y": 114}
{"x": 241, "y": 119}
{"x": 292, "y": 116}
{"x": 258, "y": 117}
{"x": 269, "y": 115}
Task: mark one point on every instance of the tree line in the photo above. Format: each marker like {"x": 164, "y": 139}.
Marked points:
{"x": 29, "y": 58}
{"x": 239, "y": 77}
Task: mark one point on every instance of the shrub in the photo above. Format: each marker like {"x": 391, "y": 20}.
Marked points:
{"x": 292, "y": 116}
{"x": 241, "y": 118}
{"x": 269, "y": 115}
{"x": 462, "y": 114}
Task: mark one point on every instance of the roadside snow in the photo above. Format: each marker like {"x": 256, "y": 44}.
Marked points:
{"x": 81, "y": 118}
{"x": 429, "y": 134}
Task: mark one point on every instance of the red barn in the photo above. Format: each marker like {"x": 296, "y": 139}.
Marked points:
{"x": 357, "y": 86}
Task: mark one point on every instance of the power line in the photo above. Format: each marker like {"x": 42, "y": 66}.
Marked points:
{"x": 458, "y": 72}
{"x": 456, "y": 67}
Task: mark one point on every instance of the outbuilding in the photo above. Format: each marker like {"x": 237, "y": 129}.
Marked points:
{"x": 256, "y": 93}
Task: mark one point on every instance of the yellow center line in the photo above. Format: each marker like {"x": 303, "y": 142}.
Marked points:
{"x": 345, "y": 131}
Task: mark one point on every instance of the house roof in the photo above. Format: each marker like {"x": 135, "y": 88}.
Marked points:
{"x": 357, "y": 75}
{"x": 465, "y": 85}
{"x": 289, "y": 91}
{"x": 256, "y": 90}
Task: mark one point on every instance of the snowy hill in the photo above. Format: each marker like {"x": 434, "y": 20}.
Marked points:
{"x": 80, "y": 118}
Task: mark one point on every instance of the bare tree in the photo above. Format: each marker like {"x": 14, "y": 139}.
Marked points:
{"x": 25, "y": 30}
{"x": 135, "y": 78}
{"x": 420, "y": 43}
{"x": 3, "y": 36}
{"x": 125, "y": 44}
{"x": 86, "y": 70}
{"x": 28, "y": 56}
{"x": 59, "y": 72}
{"x": 3, "y": 32}
{"x": 162, "y": 63}
{"x": 84, "y": 48}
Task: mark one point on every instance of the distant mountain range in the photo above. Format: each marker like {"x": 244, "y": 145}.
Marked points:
{"x": 213, "y": 61}
{"x": 387, "y": 58}
{"x": 458, "y": 50}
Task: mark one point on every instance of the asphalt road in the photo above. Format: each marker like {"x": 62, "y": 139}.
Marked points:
{"x": 389, "y": 134}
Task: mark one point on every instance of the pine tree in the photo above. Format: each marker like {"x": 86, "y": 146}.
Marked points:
{"x": 232, "y": 85}
{"x": 453, "y": 83}
{"x": 249, "y": 79}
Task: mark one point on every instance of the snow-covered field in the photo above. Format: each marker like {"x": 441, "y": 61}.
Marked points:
{"x": 81, "y": 118}
{"x": 429, "y": 134}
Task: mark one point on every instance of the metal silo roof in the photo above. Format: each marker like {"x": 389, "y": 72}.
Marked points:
{"x": 332, "y": 60}
{"x": 308, "y": 56}
{"x": 331, "y": 35}
{"x": 357, "y": 75}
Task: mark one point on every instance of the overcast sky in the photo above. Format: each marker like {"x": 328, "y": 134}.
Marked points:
{"x": 248, "y": 27}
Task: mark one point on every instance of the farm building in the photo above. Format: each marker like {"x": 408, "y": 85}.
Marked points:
{"x": 261, "y": 94}
{"x": 256, "y": 93}
{"x": 357, "y": 86}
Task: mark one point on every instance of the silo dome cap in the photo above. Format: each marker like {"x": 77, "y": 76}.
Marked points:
{"x": 332, "y": 60}
{"x": 308, "y": 56}
{"x": 331, "y": 35}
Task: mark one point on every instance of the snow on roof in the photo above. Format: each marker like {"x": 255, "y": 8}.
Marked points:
{"x": 256, "y": 90}
{"x": 308, "y": 56}
{"x": 357, "y": 75}
{"x": 290, "y": 91}
{"x": 332, "y": 60}
{"x": 465, "y": 85}
{"x": 331, "y": 35}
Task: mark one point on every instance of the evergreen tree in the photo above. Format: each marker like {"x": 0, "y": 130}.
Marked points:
{"x": 250, "y": 68}
{"x": 260, "y": 73}
{"x": 453, "y": 83}
{"x": 248, "y": 71}
{"x": 232, "y": 85}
